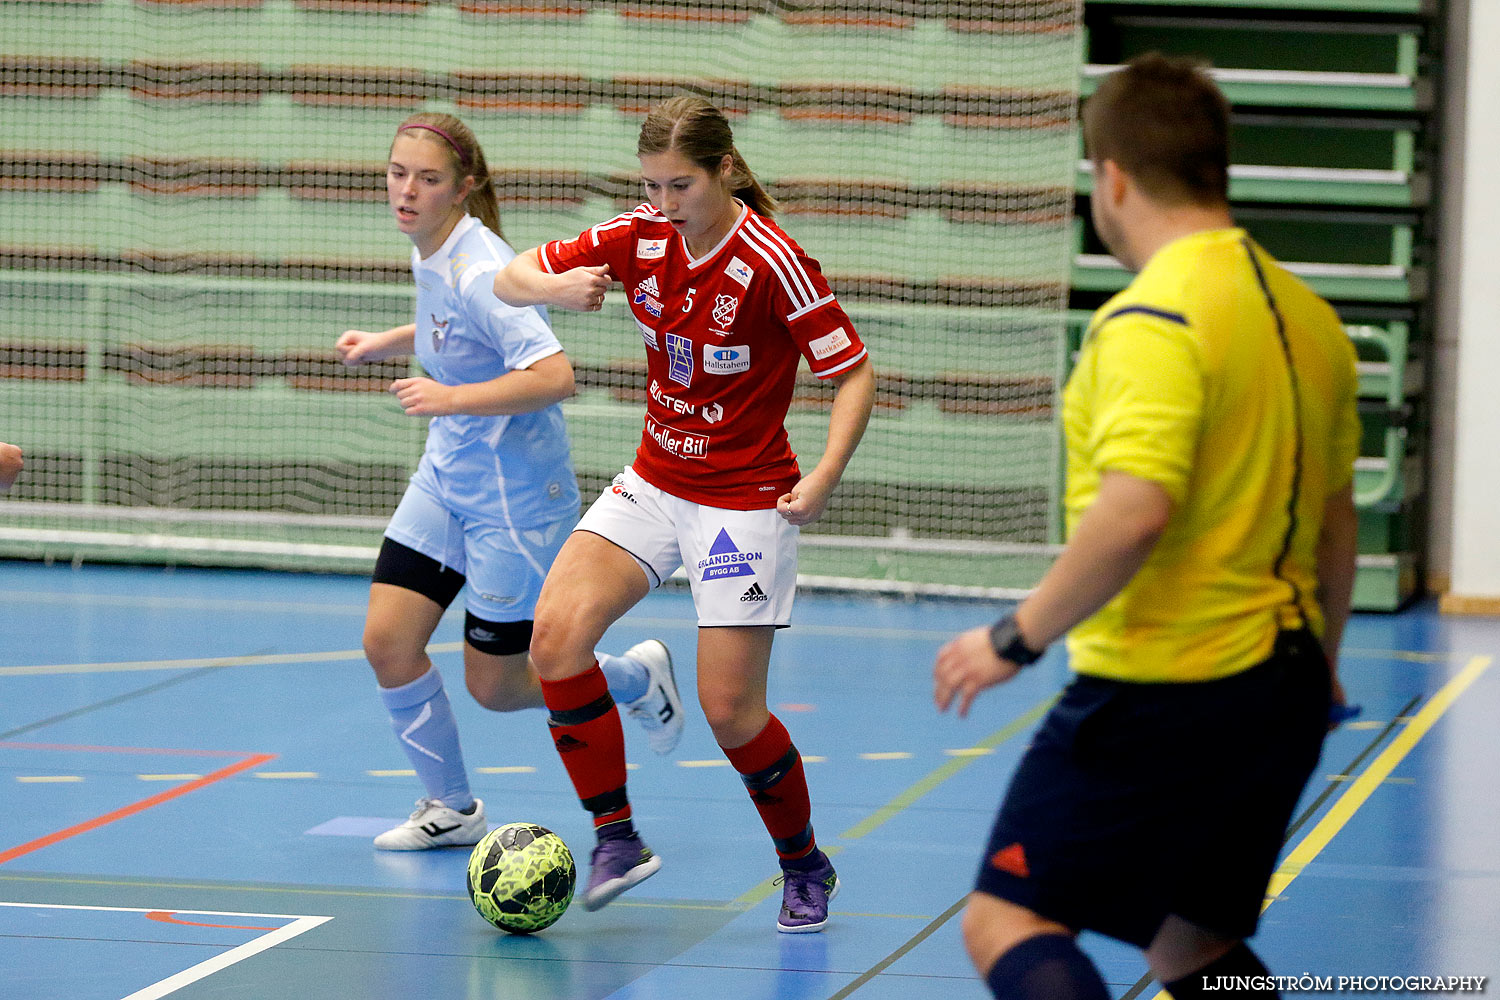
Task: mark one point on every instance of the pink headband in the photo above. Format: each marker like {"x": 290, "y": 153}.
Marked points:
{"x": 463, "y": 157}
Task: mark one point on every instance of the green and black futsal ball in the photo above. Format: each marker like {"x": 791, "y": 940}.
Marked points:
{"x": 521, "y": 877}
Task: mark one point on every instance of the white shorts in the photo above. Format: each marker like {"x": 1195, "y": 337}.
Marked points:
{"x": 741, "y": 564}
{"x": 504, "y": 566}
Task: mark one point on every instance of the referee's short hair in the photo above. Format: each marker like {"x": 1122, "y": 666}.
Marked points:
{"x": 1163, "y": 120}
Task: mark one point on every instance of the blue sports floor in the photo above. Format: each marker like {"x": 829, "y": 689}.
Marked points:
{"x": 192, "y": 764}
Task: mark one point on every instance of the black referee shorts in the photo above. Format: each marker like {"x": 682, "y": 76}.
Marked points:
{"x": 1137, "y": 801}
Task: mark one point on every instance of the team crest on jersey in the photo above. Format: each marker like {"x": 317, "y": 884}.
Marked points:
{"x": 828, "y": 346}
{"x": 724, "y": 308}
{"x": 726, "y": 359}
{"x": 650, "y": 249}
{"x": 713, "y": 413}
{"x": 646, "y": 295}
{"x": 439, "y": 331}
{"x": 740, "y": 271}
{"x": 648, "y": 335}
{"x": 679, "y": 359}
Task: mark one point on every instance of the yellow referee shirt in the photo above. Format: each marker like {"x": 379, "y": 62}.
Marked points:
{"x": 1223, "y": 378}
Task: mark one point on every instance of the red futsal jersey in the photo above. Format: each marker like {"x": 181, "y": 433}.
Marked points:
{"x": 724, "y": 334}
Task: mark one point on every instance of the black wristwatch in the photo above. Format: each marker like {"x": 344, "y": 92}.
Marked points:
{"x": 1006, "y": 641}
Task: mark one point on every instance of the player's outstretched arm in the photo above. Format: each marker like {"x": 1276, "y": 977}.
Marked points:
{"x": 547, "y": 381}
{"x": 1110, "y": 544}
{"x": 853, "y": 399}
{"x": 11, "y": 462}
{"x": 356, "y": 347}
{"x": 524, "y": 282}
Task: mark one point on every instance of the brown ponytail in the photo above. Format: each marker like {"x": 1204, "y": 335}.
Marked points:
{"x": 467, "y": 159}
{"x": 699, "y": 131}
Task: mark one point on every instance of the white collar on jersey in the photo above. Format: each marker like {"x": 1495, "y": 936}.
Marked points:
{"x": 738, "y": 222}
{"x": 440, "y": 255}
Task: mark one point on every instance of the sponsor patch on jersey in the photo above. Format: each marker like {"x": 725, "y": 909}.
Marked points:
{"x": 724, "y": 309}
{"x": 679, "y": 444}
{"x": 679, "y": 359}
{"x": 648, "y": 335}
{"x": 651, "y": 304}
{"x": 725, "y": 560}
{"x": 650, "y": 249}
{"x": 669, "y": 402}
{"x": 726, "y": 359}
{"x": 646, "y": 295}
{"x": 827, "y": 347}
{"x": 740, "y": 271}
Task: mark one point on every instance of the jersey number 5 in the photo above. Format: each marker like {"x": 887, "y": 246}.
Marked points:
{"x": 688, "y": 303}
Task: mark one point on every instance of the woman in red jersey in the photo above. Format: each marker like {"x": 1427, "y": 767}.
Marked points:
{"x": 728, "y": 306}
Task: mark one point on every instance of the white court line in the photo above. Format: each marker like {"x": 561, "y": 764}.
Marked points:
{"x": 298, "y": 925}
{"x": 243, "y": 604}
{"x": 271, "y": 659}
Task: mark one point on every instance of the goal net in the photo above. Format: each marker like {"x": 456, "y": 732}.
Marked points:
{"x": 193, "y": 203}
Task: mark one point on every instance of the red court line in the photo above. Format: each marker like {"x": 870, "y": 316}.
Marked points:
{"x": 165, "y": 917}
{"x": 155, "y": 800}
{"x": 86, "y": 748}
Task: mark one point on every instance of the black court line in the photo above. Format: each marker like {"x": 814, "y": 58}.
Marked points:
{"x": 1146, "y": 980}
{"x": 911, "y": 943}
{"x": 118, "y": 699}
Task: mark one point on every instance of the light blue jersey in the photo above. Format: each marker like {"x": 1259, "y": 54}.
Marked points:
{"x": 514, "y": 471}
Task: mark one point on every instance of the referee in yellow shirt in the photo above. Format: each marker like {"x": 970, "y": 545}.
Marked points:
{"x": 1211, "y": 435}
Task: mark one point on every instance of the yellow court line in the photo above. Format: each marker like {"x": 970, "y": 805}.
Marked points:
{"x": 1364, "y": 786}
{"x": 1379, "y": 770}
{"x": 907, "y": 798}
{"x": 903, "y": 801}
{"x": 47, "y": 779}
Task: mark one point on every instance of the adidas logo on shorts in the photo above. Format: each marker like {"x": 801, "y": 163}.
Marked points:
{"x": 754, "y": 594}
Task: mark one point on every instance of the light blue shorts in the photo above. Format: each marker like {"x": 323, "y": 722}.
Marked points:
{"x": 504, "y": 566}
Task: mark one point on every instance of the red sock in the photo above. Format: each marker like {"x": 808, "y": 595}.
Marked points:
{"x": 772, "y": 771}
{"x": 586, "y": 730}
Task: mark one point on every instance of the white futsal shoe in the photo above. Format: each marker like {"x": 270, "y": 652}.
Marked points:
{"x": 433, "y": 824}
{"x": 659, "y": 710}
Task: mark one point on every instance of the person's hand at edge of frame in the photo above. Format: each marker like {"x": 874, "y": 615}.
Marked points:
{"x": 11, "y": 463}
{"x": 967, "y": 666}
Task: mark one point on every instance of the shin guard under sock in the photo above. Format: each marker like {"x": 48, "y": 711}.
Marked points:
{"x": 586, "y": 730}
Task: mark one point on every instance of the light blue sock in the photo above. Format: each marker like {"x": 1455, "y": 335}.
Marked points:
{"x": 627, "y": 678}
{"x": 423, "y": 722}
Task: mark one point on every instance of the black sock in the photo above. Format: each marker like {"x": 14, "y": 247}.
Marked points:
{"x": 1241, "y": 973}
{"x": 812, "y": 859}
{"x": 1046, "y": 967}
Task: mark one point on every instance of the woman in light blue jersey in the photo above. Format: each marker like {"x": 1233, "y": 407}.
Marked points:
{"x": 494, "y": 496}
